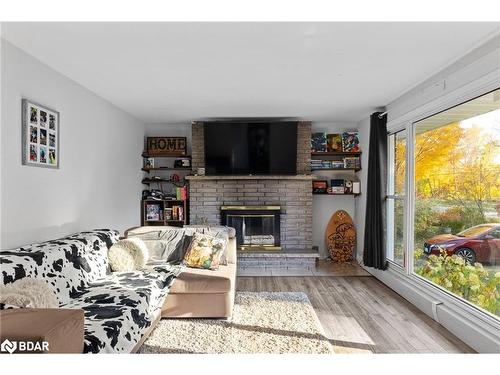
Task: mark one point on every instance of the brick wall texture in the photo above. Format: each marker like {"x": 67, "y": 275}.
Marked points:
{"x": 197, "y": 146}
{"x": 304, "y": 147}
{"x": 294, "y": 196}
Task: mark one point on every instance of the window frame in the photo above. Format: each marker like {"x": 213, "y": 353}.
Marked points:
{"x": 408, "y": 123}
{"x": 391, "y": 198}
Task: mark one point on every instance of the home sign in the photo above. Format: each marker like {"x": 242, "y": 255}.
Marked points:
{"x": 166, "y": 146}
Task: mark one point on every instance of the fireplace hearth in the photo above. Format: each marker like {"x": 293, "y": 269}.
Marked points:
{"x": 257, "y": 227}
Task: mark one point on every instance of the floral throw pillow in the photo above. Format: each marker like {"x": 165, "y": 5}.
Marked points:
{"x": 205, "y": 251}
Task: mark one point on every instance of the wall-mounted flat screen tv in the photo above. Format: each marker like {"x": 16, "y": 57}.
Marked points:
{"x": 250, "y": 148}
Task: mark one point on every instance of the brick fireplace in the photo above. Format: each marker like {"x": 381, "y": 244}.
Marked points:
{"x": 257, "y": 227}
{"x": 292, "y": 194}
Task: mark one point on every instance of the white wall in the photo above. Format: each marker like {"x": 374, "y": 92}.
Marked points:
{"x": 98, "y": 183}
{"x": 324, "y": 206}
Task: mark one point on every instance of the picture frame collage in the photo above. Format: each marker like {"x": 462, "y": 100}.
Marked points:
{"x": 40, "y": 135}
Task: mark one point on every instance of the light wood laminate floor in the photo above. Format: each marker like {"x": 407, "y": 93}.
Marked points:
{"x": 362, "y": 315}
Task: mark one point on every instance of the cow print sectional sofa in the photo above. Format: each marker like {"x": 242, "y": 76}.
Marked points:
{"x": 120, "y": 308}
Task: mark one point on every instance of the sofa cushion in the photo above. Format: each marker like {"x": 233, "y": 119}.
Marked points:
{"x": 61, "y": 328}
{"x": 171, "y": 243}
{"x": 28, "y": 293}
{"x": 196, "y": 280}
{"x": 213, "y": 229}
{"x": 65, "y": 264}
{"x": 167, "y": 244}
{"x": 120, "y": 308}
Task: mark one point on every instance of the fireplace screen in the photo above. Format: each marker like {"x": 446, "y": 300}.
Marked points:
{"x": 257, "y": 227}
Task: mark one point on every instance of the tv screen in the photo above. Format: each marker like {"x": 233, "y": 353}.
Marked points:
{"x": 250, "y": 148}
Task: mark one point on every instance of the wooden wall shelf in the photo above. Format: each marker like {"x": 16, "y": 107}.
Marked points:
{"x": 336, "y": 169}
{"x": 338, "y": 195}
{"x": 149, "y": 181}
{"x": 146, "y": 155}
{"x": 166, "y": 169}
{"x": 166, "y": 203}
{"x": 336, "y": 153}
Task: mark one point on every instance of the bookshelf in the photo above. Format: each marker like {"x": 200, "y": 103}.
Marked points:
{"x": 173, "y": 209}
{"x": 335, "y": 162}
{"x": 164, "y": 214}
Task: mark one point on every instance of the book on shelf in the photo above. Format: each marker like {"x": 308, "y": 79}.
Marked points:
{"x": 318, "y": 142}
{"x": 350, "y": 141}
{"x": 177, "y": 213}
{"x": 352, "y": 162}
{"x": 327, "y": 164}
{"x": 337, "y": 186}
{"x": 334, "y": 142}
{"x": 154, "y": 212}
{"x": 181, "y": 193}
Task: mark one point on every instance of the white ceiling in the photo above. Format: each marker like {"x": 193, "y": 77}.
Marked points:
{"x": 177, "y": 72}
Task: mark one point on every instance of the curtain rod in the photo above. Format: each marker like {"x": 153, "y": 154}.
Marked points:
{"x": 380, "y": 115}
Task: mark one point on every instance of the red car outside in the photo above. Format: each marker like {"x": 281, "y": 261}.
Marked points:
{"x": 477, "y": 244}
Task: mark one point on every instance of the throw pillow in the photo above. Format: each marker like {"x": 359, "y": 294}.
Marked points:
{"x": 215, "y": 231}
{"x": 28, "y": 292}
{"x": 205, "y": 251}
{"x": 178, "y": 253}
{"x": 128, "y": 255}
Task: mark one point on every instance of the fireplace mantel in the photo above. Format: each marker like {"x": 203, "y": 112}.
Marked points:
{"x": 234, "y": 177}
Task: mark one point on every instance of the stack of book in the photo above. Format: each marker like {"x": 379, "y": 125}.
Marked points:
{"x": 337, "y": 164}
{"x": 316, "y": 164}
{"x": 337, "y": 186}
{"x": 177, "y": 213}
{"x": 352, "y": 162}
{"x": 181, "y": 193}
{"x": 327, "y": 164}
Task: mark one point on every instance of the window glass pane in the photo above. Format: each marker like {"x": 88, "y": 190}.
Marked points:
{"x": 398, "y": 233}
{"x": 400, "y": 163}
{"x": 457, "y": 202}
{"x": 395, "y": 200}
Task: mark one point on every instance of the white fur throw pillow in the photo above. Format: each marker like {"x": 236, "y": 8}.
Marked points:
{"x": 128, "y": 255}
{"x": 28, "y": 292}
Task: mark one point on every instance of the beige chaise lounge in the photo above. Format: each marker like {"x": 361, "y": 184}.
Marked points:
{"x": 199, "y": 293}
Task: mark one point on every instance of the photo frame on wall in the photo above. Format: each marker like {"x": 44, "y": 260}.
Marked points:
{"x": 40, "y": 135}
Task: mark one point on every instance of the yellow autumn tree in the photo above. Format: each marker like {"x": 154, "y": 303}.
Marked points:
{"x": 453, "y": 163}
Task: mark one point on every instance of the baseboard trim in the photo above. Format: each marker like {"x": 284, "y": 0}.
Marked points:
{"x": 482, "y": 333}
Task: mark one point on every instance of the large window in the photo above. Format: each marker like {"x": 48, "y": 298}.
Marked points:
{"x": 452, "y": 233}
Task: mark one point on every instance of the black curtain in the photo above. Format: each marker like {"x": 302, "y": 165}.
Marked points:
{"x": 374, "y": 254}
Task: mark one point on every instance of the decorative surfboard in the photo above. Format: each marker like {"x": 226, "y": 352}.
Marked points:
{"x": 340, "y": 237}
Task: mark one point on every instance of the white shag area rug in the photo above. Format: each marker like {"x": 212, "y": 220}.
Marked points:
{"x": 265, "y": 322}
